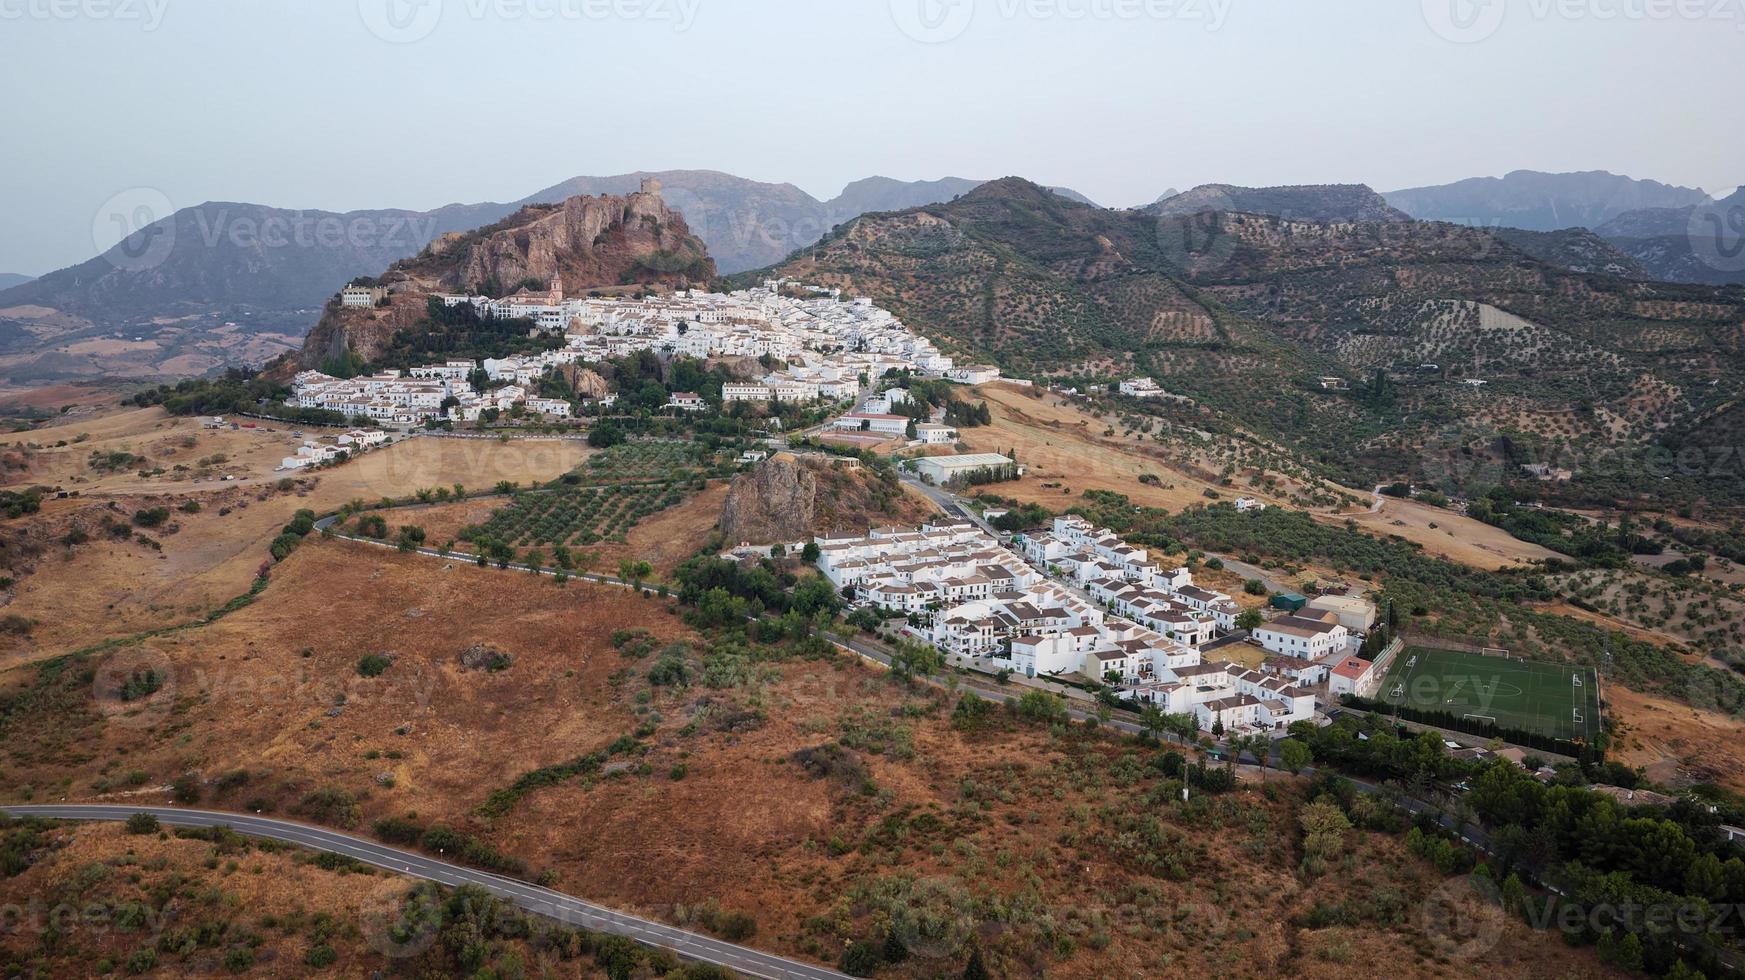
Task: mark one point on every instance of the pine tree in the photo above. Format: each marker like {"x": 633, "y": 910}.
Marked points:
{"x": 975, "y": 969}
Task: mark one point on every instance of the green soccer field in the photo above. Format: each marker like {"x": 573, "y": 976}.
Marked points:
{"x": 1559, "y": 700}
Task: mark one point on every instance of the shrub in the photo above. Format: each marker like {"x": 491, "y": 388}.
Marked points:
{"x": 372, "y": 665}
{"x": 142, "y": 823}
{"x": 670, "y": 670}
{"x": 737, "y": 927}
{"x": 186, "y": 788}
{"x": 320, "y": 956}
{"x": 153, "y": 517}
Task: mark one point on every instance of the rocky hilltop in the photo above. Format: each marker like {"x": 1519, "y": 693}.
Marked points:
{"x": 1305, "y": 202}
{"x": 582, "y": 242}
{"x": 788, "y": 497}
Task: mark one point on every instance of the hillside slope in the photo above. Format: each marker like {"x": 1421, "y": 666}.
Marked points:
{"x": 1243, "y": 313}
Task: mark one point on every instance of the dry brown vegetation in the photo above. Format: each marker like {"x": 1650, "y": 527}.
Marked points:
{"x": 83, "y": 593}
{"x": 713, "y": 808}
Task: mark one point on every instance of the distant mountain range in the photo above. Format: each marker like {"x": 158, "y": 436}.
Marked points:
{"x": 1658, "y": 227}
{"x": 260, "y": 259}
{"x": 10, "y": 279}
{"x": 1535, "y": 201}
{"x": 262, "y": 272}
{"x": 1703, "y": 242}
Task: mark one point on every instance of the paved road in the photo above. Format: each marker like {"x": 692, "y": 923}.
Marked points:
{"x": 949, "y": 503}
{"x": 539, "y": 901}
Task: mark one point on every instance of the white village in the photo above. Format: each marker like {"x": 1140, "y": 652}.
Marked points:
{"x": 1076, "y": 600}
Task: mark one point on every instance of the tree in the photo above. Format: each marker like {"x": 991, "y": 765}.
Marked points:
{"x": 1151, "y": 720}
{"x": 1249, "y": 620}
{"x": 1294, "y": 755}
{"x": 975, "y": 969}
{"x": 811, "y": 552}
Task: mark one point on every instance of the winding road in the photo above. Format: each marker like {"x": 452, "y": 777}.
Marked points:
{"x": 544, "y": 902}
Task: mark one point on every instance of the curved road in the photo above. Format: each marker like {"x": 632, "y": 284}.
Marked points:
{"x": 539, "y": 901}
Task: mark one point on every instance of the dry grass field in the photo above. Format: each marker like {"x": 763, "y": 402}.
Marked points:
{"x": 81, "y": 594}
{"x": 1446, "y": 534}
{"x": 908, "y": 819}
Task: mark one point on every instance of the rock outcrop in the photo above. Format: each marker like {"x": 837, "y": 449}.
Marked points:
{"x": 788, "y": 498}
{"x": 582, "y": 243}
{"x": 777, "y": 501}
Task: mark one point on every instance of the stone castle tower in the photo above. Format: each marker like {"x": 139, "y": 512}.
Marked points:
{"x": 651, "y": 185}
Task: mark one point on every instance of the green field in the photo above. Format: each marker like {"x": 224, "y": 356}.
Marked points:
{"x": 1528, "y": 695}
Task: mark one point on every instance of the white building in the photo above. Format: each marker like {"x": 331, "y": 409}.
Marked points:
{"x": 889, "y": 425}
{"x": 935, "y": 433}
{"x": 974, "y": 374}
{"x": 943, "y": 469}
{"x": 1305, "y": 636}
{"x": 362, "y": 297}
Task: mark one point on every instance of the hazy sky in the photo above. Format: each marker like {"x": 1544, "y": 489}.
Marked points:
{"x": 343, "y": 104}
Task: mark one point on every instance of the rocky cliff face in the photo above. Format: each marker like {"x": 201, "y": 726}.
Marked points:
{"x": 585, "y": 242}
{"x": 777, "y": 501}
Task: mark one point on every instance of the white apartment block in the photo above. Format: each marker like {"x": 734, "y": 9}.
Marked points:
{"x": 1308, "y": 635}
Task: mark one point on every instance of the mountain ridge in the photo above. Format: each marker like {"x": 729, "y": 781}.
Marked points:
{"x": 1535, "y": 200}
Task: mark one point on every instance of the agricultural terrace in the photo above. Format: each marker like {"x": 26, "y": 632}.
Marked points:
{"x": 600, "y": 501}
{"x": 1556, "y": 700}
{"x": 651, "y": 461}
{"x": 578, "y": 515}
